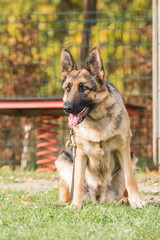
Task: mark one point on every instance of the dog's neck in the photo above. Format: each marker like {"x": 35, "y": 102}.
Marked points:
{"x": 100, "y": 109}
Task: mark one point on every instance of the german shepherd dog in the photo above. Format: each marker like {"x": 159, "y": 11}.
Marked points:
{"x": 103, "y": 163}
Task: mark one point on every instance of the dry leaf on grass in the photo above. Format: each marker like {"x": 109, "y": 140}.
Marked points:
{"x": 24, "y": 199}
{"x": 26, "y": 202}
{"x": 28, "y": 179}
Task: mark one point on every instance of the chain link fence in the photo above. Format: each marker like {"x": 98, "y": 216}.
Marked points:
{"x": 30, "y": 47}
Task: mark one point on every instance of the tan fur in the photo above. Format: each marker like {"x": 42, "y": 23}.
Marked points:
{"x": 102, "y": 142}
{"x": 64, "y": 192}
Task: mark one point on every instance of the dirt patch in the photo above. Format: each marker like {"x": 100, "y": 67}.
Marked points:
{"x": 34, "y": 185}
{"x": 150, "y": 188}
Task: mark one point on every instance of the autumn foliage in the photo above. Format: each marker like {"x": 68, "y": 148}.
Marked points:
{"x": 30, "y": 48}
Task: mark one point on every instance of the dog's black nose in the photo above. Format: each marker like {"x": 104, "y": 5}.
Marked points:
{"x": 68, "y": 107}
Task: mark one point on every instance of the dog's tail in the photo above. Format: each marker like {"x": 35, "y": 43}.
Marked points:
{"x": 64, "y": 165}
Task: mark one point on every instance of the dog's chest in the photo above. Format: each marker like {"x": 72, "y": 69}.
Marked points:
{"x": 96, "y": 133}
{"x": 95, "y": 150}
{"x": 100, "y": 150}
{"x": 99, "y": 157}
{"x": 99, "y": 165}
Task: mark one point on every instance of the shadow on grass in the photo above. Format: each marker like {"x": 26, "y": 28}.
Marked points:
{"x": 153, "y": 204}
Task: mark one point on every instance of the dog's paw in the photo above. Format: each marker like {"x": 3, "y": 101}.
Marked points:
{"x": 75, "y": 206}
{"x": 136, "y": 202}
{"x": 123, "y": 200}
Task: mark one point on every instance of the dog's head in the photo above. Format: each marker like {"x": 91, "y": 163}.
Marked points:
{"x": 83, "y": 88}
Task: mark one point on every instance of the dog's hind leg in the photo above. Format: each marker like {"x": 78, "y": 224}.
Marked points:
{"x": 116, "y": 190}
{"x": 64, "y": 165}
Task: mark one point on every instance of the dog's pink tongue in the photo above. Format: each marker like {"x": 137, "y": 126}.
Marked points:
{"x": 73, "y": 120}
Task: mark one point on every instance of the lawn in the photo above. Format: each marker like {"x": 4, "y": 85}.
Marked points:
{"x": 35, "y": 215}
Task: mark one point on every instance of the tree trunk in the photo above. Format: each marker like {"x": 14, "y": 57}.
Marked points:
{"x": 89, "y": 17}
{"x": 25, "y": 154}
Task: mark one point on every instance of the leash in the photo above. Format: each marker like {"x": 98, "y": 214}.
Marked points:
{"x": 71, "y": 144}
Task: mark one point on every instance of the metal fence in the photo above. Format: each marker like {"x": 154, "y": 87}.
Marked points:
{"x": 30, "y": 48}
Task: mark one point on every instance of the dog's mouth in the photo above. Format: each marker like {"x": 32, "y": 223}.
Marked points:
{"x": 74, "y": 120}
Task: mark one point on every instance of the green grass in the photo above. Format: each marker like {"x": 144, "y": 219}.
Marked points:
{"x": 35, "y": 216}
{"x": 145, "y": 177}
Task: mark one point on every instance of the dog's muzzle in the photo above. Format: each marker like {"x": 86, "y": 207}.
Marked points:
{"x": 78, "y": 118}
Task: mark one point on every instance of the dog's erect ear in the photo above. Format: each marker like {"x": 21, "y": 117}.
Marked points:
{"x": 94, "y": 64}
{"x": 67, "y": 63}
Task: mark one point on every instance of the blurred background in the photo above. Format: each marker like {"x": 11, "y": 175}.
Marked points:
{"x": 32, "y": 34}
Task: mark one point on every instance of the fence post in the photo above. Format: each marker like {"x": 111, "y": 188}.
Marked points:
{"x": 158, "y": 88}
{"x": 155, "y": 73}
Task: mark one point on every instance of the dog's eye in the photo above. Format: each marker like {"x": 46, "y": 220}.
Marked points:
{"x": 68, "y": 88}
{"x": 82, "y": 87}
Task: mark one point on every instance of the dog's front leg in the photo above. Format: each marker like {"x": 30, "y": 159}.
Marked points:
{"x": 79, "y": 174}
{"x": 131, "y": 185}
